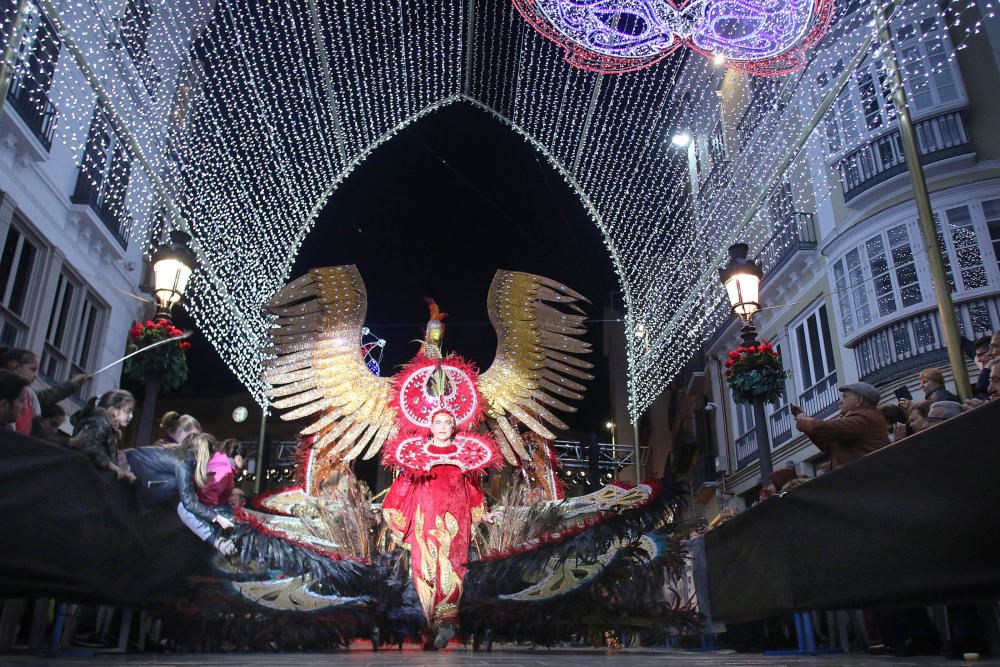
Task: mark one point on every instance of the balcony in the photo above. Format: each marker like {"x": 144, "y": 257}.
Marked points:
{"x": 916, "y": 342}
{"x": 796, "y": 232}
{"x": 34, "y": 108}
{"x": 746, "y": 448}
{"x": 939, "y": 138}
{"x": 821, "y": 399}
{"x": 781, "y": 424}
{"x": 119, "y": 222}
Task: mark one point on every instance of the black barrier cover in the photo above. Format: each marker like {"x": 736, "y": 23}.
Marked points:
{"x": 916, "y": 522}
{"x": 76, "y": 533}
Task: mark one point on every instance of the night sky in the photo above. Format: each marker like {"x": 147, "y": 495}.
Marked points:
{"x": 434, "y": 212}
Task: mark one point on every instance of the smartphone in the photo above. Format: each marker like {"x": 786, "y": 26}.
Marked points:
{"x": 903, "y": 392}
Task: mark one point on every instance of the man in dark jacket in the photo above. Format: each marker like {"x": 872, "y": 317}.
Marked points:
{"x": 859, "y": 430}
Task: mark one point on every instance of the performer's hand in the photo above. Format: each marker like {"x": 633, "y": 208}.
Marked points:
{"x": 492, "y": 517}
{"x": 905, "y": 404}
{"x": 125, "y": 475}
{"x": 238, "y": 460}
{"x": 80, "y": 380}
{"x": 796, "y": 410}
{"x": 224, "y": 522}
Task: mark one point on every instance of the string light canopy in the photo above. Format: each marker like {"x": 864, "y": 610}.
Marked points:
{"x": 235, "y": 121}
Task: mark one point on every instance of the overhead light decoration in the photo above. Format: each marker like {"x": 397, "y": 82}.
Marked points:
{"x": 765, "y": 37}
{"x": 249, "y": 158}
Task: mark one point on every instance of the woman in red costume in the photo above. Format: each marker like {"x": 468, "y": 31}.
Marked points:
{"x": 435, "y": 502}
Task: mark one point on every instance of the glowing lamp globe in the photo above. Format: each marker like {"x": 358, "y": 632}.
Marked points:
{"x": 742, "y": 277}
{"x": 173, "y": 263}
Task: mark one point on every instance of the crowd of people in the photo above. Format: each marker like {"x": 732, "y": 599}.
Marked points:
{"x": 865, "y": 425}
{"x": 184, "y": 465}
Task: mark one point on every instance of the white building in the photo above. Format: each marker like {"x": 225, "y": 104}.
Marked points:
{"x": 71, "y": 264}
{"x": 847, "y": 255}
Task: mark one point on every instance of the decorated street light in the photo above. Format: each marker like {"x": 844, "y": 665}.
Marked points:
{"x": 173, "y": 262}
{"x": 172, "y": 265}
{"x": 741, "y": 277}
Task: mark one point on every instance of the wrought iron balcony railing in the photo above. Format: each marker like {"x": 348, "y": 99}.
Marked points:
{"x": 916, "y": 341}
{"x": 796, "y": 232}
{"x": 34, "y": 107}
{"x": 938, "y": 137}
{"x": 117, "y": 219}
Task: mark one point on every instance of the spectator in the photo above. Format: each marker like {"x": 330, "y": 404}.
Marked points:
{"x": 777, "y": 481}
{"x": 918, "y": 417}
{"x": 993, "y": 388}
{"x": 896, "y": 418}
{"x": 932, "y": 382}
{"x": 208, "y": 522}
{"x": 943, "y": 410}
{"x": 176, "y": 427}
{"x": 25, "y": 363}
{"x": 46, "y": 425}
{"x": 859, "y": 430}
{"x": 983, "y": 357}
{"x": 238, "y": 499}
{"x": 98, "y": 430}
{"x": 13, "y": 398}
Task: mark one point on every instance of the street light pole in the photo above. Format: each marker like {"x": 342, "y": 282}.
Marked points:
{"x": 741, "y": 278}
{"x": 925, "y": 214}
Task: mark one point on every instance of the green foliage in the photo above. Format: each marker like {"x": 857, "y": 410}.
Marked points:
{"x": 755, "y": 371}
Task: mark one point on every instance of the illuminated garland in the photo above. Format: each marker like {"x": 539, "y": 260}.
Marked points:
{"x": 252, "y": 114}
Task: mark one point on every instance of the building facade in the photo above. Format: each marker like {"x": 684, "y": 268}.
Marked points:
{"x": 72, "y": 263}
{"x": 846, "y": 283}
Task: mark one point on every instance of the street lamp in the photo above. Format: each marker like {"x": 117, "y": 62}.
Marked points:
{"x": 173, "y": 263}
{"x": 741, "y": 277}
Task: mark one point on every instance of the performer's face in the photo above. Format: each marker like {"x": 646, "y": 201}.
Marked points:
{"x": 443, "y": 426}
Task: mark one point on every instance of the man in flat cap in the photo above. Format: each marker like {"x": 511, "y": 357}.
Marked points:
{"x": 859, "y": 430}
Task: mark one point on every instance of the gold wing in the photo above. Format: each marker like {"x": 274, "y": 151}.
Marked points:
{"x": 320, "y": 371}
{"x": 537, "y": 355}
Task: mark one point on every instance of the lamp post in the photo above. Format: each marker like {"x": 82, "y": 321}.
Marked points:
{"x": 173, "y": 262}
{"x": 741, "y": 277}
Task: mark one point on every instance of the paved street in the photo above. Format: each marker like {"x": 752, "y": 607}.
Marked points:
{"x": 457, "y": 656}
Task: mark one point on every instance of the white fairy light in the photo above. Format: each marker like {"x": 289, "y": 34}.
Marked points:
{"x": 254, "y": 113}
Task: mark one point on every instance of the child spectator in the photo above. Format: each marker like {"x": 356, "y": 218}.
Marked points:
{"x": 46, "y": 425}
{"x": 176, "y": 427}
{"x": 25, "y": 363}
{"x": 98, "y": 430}
{"x": 207, "y": 521}
{"x": 13, "y": 397}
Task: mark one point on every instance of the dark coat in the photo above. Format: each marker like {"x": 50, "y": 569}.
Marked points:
{"x": 161, "y": 477}
{"x": 940, "y": 394}
{"x": 97, "y": 437}
{"x": 848, "y": 437}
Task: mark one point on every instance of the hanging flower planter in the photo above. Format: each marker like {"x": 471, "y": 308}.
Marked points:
{"x": 755, "y": 371}
{"x": 168, "y": 363}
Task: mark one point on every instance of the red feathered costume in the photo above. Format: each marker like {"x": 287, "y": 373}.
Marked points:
{"x": 436, "y": 500}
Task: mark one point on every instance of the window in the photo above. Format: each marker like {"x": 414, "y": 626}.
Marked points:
{"x": 865, "y": 105}
{"x": 960, "y": 247}
{"x": 991, "y": 209}
{"x": 134, "y": 28}
{"x": 849, "y": 276}
{"x": 74, "y": 325}
{"x": 814, "y": 349}
{"x": 18, "y": 267}
{"x": 104, "y": 177}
